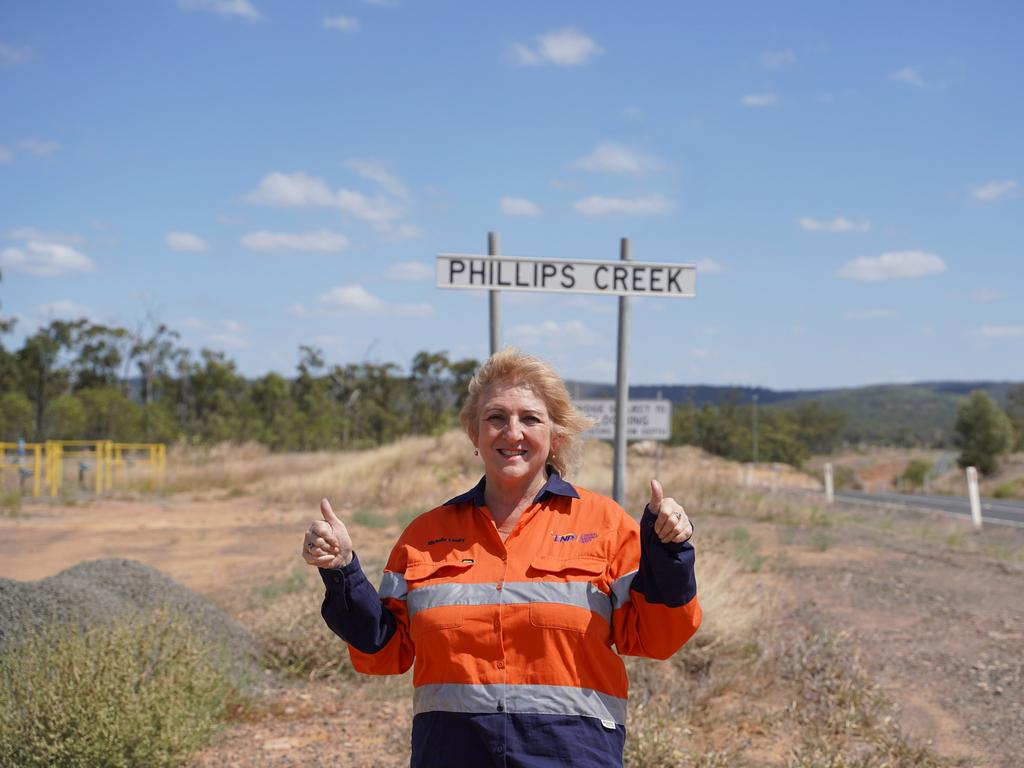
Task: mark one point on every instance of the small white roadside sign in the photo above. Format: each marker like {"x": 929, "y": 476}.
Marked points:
{"x": 645, "y": 419}
{"x": 610, "y": 278}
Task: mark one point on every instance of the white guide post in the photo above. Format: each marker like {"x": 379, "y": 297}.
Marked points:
{"x": 829, "y": 490}
{"x": 775, "y": 477}
{"x": 972, "y": 494}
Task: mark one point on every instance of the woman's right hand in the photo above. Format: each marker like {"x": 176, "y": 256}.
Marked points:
{"x": 327, "y": 543}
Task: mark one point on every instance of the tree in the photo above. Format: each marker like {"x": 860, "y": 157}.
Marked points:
{"x": 15, "y": 416}
{"x": 1015, "y": 410}
{"x": 42, "y": 375}
{"x": 982, "y": 432}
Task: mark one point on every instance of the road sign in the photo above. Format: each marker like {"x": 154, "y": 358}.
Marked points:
{"x": 609, "y": 278}
{"x": 645, "y": 419}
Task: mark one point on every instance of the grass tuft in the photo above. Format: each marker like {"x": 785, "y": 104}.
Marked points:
{"x": 131, "y": 692}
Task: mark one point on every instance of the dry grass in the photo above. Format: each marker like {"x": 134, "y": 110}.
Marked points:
{"x": 752, "y": 688}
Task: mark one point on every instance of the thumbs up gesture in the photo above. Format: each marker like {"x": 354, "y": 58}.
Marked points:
{"x": 671, "y": 525}
{"x": 327, "y": 543}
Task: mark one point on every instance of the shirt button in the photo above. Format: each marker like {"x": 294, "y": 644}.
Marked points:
{"x": 498, "y": 585}
{"x": 499, "y": 749}
{"x": 501, "y": 707}
{"x": 499, "y": 664}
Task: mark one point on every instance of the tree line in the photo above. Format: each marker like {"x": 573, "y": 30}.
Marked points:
{"x": 76, "y": 379}
{"x": 82, "y": 380}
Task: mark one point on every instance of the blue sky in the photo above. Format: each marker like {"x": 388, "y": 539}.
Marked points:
{"x": 260, "y": 174}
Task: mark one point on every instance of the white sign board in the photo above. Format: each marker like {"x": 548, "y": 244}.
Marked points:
{"x": 610, "y": 278}
{"x": 645, "y": 419}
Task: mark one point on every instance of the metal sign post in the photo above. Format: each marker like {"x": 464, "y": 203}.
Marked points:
{"x": 494, "y": 297}
{"x": 621, "y": 389}
{"x": 623, "y": 278}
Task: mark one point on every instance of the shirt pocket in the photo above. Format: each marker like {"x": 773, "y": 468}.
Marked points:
{"x": 574, "y": 600}
{"x": 433, "y": 597}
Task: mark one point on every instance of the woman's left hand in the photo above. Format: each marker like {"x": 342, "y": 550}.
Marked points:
{"x": 671, "y": 525}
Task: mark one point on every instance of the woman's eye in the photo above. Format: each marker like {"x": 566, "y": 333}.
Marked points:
{"x": 496, "y": 419}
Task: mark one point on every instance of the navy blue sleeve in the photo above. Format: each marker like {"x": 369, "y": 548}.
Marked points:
{"x": 666, "y": 572}
{"x": 353, "y": 609}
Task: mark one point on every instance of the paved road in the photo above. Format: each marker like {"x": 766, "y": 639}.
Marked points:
{"x": 1001, "y": 511}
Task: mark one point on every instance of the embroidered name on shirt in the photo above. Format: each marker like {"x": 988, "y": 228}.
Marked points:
{"x": 586, "y": 538}
{"x": 445, "y": 538}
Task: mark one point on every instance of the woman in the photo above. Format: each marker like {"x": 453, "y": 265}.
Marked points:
{"x": 510, "y": 597}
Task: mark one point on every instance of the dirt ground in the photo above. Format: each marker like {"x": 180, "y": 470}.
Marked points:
{"x": 940, "y": 626}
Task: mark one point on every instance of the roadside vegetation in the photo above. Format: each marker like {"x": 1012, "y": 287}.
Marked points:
{"x": 130, "y": 692}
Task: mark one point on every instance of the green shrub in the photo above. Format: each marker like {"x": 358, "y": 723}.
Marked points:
{"x": 143, "y": 691}
{"x": 10, "y": 503}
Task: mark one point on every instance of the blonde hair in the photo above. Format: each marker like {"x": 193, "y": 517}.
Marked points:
{"x": 510, "y": 367}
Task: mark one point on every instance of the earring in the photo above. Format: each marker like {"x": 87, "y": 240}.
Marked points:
{"x": 476, "y": 453}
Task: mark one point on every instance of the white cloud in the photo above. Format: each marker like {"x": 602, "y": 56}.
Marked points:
{"x": 342, "y": 23}
{"x": 994, "y": 190}
{"x": 410, "y": 271}
{"x": 63, "y": 309}
{"x": 374, "y": 210}
{"x": 609, "y": 157}
{"x": 192, "y": 324}
{"x": 894, "y": 265}
{"x": 599, "y": 205}
{"x": 838, "y": 224}
{"x": 39, "y": 147}
{"x": 909, "y": 76}
{"x": 11, "y": 56}
{"x": 184, "y": 241}
{"x": 31, "y": 233}
{"x": 46, "y": 259}
{"x": 759, "y": 100}
{"x": 1002, "y": 331}
{"x": 518, "y": 206}
{"x": 870, "y": 314}
{"x": 377, "y": 173}
{"x": 241, "y": 8}
{"x": 549, "y": 333}
{"x": 320, "y": 241}
{"x": 710, "y": 267}
{"x": 777, "y": 59}
{"x": 404, "y": 232}
{"x": 229, "y": 340}
{"x": 985, "y": 295}
{"x": 356, "y": 300}
{"x": 565, "y": 47}
{"x": 6, "y": 156}
{"x": 299, "y": 190}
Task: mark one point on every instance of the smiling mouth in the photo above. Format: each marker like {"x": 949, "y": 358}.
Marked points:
{"x": 510, "y": 454}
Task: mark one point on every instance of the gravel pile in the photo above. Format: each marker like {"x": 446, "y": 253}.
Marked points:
{"x": 95, "y": 592}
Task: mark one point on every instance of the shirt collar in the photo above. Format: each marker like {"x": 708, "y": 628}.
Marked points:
{"x": 554, "y": 485}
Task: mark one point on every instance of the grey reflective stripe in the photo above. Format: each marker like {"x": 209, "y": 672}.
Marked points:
{"x": 581, "y": 594}
{"x": 392, "y": 585}
{"x": 437, "y": 595}
{"x": 519, "y": 699}
{"x": 620, "y": 590}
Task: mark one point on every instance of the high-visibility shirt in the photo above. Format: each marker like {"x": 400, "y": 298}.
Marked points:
{"x": 513, "y": 641}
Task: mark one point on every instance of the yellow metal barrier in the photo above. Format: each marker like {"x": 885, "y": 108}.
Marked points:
{"x": 20, "y": 452}
{"x": 107, "y": 455}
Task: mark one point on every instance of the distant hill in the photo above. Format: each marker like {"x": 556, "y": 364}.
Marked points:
{"x": 895, "y": 414}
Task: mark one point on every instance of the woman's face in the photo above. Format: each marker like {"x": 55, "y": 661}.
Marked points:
{"x": 514, "y": 433}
